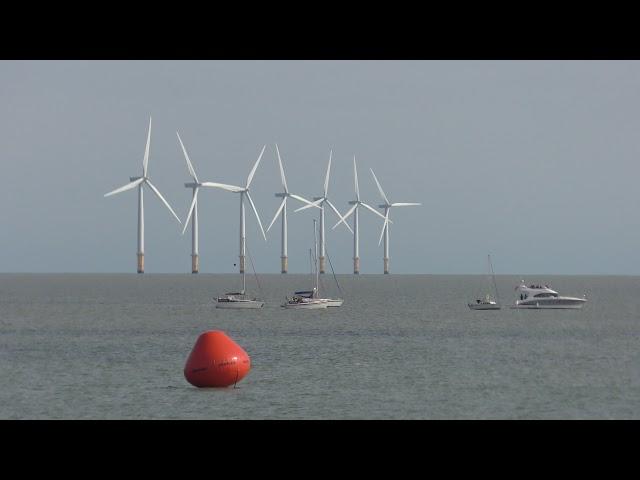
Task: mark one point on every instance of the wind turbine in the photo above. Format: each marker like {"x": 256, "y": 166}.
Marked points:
{"x": 357, "y": 203}
{"x": 283, "y": 208}
{"x": 193, "y": 210}
{"x": 385, "y": 227}
{"x": 139, "y": 182}
{"x": 243, "y": 191}
{"x": 319, "y": 202}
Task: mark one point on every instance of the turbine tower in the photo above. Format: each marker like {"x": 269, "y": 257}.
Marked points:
{"x": 193, "y": 210}
{"x": 357, "y": 203}
{"x": 140, "y": 182}
{"x": 319, "y": 202}
{"x": 283, "y": 208}
{"x": 244, "y": 192}
{"x": 385, "y": 227}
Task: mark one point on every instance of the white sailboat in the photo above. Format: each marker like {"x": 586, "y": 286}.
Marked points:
{"x": 487, "y": 303}
{"x": 306, "y": 299}
{"x": 310, "y": 299}
{"x": 240, "y": 299}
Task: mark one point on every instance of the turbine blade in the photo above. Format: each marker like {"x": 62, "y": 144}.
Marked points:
{"x": 298, "y": 197}
{"x": 373, "y": 210}
{"x": 326, "y": 178}
{"x": 347, "y": 215}
{"x": 284, "y": 180}
{"x": 312, "y": 204}
{"x": 128, "y": 186}
{"x": 355, "y": 176}
{"x": 145, "y": 162}
{"x": 284, "y": 200}
{"x": 189, "y": 165}
{"x": 253, "y": 170}
{"x": 157, "y": 192}
{"x": 404, "y": 204}
{"x": 379, "y": 187}
{"x": 193, "y": 204}
{"x": 384, "y": 225}
{"x": 338, "y": 213}
{"x": 257, "y": 216}
{"x": 224, "y": 186}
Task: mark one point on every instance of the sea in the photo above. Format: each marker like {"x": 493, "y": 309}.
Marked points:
{"x": 114, "y": 346}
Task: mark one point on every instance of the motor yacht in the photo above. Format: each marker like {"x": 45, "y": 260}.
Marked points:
{"x": 536, "y": 296}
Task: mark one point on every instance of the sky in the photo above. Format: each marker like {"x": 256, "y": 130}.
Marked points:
{"x": 534, "y": 162}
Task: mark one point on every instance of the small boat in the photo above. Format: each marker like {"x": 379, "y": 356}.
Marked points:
{"x": 484, "y": 304}
{"x": 487, "y": 303}
{"x": 310, "y": 299}
{"x": 305, "y": 303}
{"x": 240, "y": 299}
{"x": 312, "y": 294}
{"x": 537, "y": 296}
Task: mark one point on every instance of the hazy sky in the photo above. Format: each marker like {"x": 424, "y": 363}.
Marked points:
{"x": 534, "y": 162}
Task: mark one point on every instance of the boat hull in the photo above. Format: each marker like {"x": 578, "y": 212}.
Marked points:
{"x": 234, "y": 305}
{"x": 334, "y": 303}
{"x": 551, "y": 304}
{"x": 305, "y": 305}
{"x": 547, "y": 307}
{"x": 477, "y": 306}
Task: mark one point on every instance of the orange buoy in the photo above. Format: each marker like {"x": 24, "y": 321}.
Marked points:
{"x": 216, "y": 361}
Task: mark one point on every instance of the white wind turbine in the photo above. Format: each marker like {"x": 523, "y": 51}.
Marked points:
{"x": 139, "y": 182}
{"x": 357, "y": 203}
{"x": 243, "y": 191}
{"x": 385, "y": 227}
{"x": 319, "y": 202}
{"x": 193, "y": 210}
{"x": 283, "y": 208}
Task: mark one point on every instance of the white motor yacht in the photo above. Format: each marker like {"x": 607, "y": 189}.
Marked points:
{"x": 536, "y": 296}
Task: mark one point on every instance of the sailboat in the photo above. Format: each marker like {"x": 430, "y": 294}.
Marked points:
{"x": 487, "y": 303}
{"x": 239, "y": 299}
{"x": 310, "y": 299}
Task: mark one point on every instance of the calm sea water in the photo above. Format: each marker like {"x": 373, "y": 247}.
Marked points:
{"x": 80, "y": 346}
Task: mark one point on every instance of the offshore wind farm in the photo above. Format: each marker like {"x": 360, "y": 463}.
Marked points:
{"x": 317, "y": 203}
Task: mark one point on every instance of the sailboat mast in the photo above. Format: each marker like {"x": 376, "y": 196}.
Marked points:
{"x": 244, "y": 283}
{"x": 493, "y": 276}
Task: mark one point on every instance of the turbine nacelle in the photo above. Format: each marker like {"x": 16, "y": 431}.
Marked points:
{"x": 284, "y": 195}
{"x": 357, "y": 203}
{"x": 320, "y": 201}
{"x": 230, "y": 188}
{"x": 387, "y": 206}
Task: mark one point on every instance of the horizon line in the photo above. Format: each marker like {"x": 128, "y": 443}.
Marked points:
{"x": 329, "y": 274}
